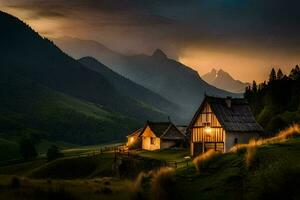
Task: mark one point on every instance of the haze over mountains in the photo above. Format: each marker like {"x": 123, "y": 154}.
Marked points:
{"x": 127, "y": 87}
{"x": 225, "y": 81}
{"x": 45, "y": 91}
{"x": 166, "y": 77}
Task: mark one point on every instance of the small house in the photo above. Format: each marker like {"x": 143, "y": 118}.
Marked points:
{"x": 161, "y": 135}
{"x": 134, "y": 140}
{"x": 220, "y": 124}
{"x": 156, "y": 135}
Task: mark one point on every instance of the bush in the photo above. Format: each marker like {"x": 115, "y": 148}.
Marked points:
{"x": 15, "y": 183}
{"x": 106, "y": 190}
{"x": 27, "y": 148}
{"x": 54, "y": 153}
{"x": 277, "y": 123}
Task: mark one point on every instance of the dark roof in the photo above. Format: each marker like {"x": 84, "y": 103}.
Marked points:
{"x": 236, "y": 118}
{"x": 136, "y": 132}
{"x": 165, "y": 130}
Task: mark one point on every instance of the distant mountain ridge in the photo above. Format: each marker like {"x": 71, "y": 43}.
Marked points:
{"x": 127, "y": 87}
{"x": 83, "y": 102}
{"x": 166, "y": 77}
{"x": 225, "y": 81}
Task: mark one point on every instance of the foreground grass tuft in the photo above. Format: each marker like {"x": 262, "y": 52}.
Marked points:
{"x": 204, "y": 160}
{"x": 163, "y": 185}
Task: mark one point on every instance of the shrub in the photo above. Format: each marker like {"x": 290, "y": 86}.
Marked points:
{"x": 204, "y": 160}
{"x": 54, "y": 153}
{"x": 15, "y": 183}
{"x": 27, "y": 148}
{"x": 106, "y": 190}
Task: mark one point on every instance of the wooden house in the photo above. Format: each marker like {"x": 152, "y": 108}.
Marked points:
{"x": 156, "y": 135}
{"x": 221, "y": 123}
{"x": 134, "y": 140}
{"x": 161, "y": 135}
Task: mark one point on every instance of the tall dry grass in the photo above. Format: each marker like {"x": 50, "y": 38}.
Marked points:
{"x": 281, "y": 136}
{"x": 250, "y": 154}
{"x": 163, "y": 184}
{"x": 139, "y": 185}
{"x": 202, "y": 161}
{"x": 250, "y": 148}
{"x": 156, "y": 185}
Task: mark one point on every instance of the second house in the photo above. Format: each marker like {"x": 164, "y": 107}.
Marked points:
{"x": 159, "y": 135}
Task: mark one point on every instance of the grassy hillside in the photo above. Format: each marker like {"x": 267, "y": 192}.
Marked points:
{"x": 8, "y": 150}
{"x": 272, "y": 171}
{"x": 274, "y": 174}
{"x": 26, "y": 107}
{"x": 45, "y": 92}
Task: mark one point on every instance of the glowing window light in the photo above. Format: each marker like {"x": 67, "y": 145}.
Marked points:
{"x": 207, "y": 129}
{"x": 131, "y": 140}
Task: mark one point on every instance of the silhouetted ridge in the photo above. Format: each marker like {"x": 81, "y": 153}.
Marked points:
{"x": 158, "y": 53}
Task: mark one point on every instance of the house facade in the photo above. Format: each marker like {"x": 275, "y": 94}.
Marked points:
{"x": 134, "y": 140}
{"x": 157, "y": 135}
{"x": 220, "y": 124}
{"x": 161, "y": 135}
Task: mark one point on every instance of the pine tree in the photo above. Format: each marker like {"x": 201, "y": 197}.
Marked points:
{"x": 279, "y": 74}
{"x": 254, "y": 87}
{"x": 272, "y": 76}
{"x": 295, "y": 73}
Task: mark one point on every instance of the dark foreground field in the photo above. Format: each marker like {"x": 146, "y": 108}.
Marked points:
{"x": 268, "y": 171}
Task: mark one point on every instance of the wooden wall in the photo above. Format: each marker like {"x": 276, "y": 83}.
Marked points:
{"x": 206, "y": 117}
{"x": 198, "y": 134}
{"x": 146, "y": 140}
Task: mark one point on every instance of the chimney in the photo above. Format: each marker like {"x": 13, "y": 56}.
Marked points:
{"x": 228, "y": 102}
{"x": 169, "y": 118}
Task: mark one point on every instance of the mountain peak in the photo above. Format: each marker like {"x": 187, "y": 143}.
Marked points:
{"x": 158, "y": 53}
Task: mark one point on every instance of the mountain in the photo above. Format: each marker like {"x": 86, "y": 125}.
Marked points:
{"x": 223, "y": 80}
{"x": 42, "y": 78}
{"x": 166, "y": 77}
{"x": 127, "y": 87}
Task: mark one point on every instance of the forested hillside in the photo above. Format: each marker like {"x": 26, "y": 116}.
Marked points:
{"x": 276, "y": 102}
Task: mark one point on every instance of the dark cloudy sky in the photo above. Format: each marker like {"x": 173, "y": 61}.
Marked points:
{"x": 244, "y": 37}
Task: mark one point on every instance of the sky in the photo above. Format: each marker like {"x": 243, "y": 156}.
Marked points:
{"x": 243, "y": 37}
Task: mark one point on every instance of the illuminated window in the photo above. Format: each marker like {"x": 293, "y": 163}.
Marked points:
{"x": 152, "y": 140}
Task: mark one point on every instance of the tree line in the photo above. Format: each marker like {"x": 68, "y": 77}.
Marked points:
{"x": 276, "y": 102}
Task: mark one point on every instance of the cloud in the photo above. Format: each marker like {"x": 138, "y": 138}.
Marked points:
{"x": 235, "y": 27}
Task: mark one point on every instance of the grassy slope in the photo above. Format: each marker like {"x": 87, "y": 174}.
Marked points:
{"x": 275, "y": 173}
{"x": 8, "y": 149}
{"x": 55, "y": 115}
{"x": 93, "y": 189}
{"x": 167, "y": 155}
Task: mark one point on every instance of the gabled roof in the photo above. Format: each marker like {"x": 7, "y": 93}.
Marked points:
{"x": 136, "y": 132}
{"x": 236, "y": 118}
{"x": 165, "y": 130}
